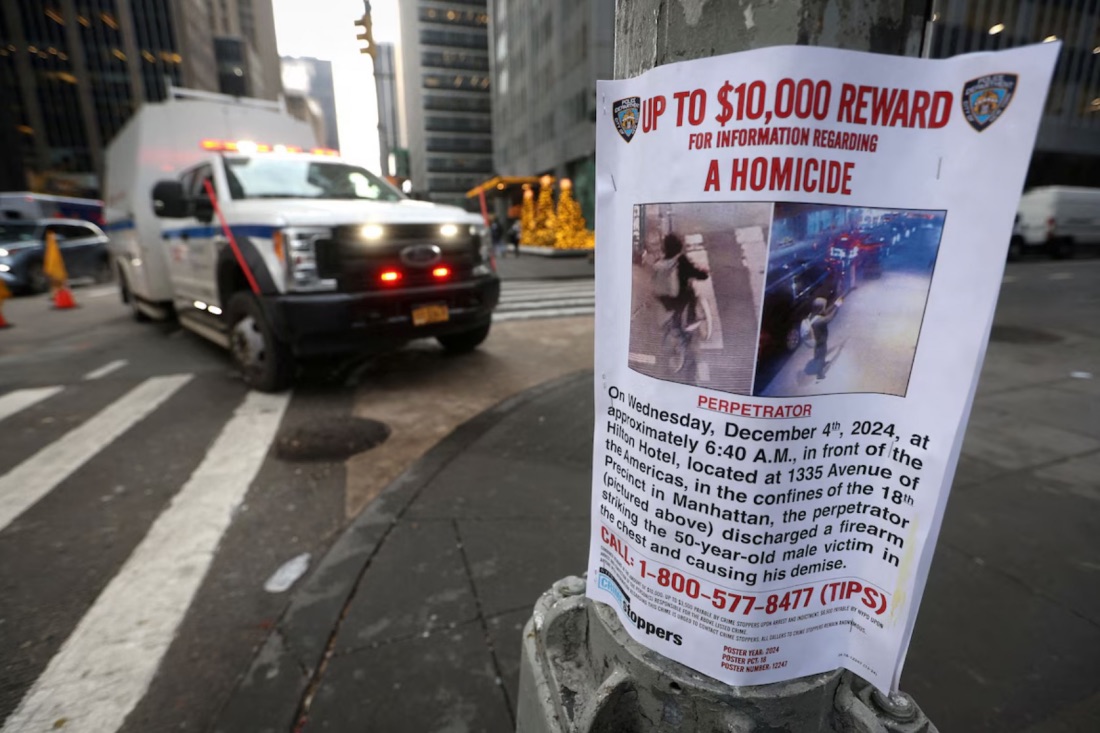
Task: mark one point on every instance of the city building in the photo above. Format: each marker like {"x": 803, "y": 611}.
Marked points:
{"x": 310, "y": 96}
{"x": 72, "y": 72}
{"x": 546, "y": 60}
{"x": 444, "y": 96}
{"x": 245, "y": 53}
{"x": 1067, "y": 150}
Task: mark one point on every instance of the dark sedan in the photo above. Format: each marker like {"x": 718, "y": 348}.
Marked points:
{"x": 23, "y": 245}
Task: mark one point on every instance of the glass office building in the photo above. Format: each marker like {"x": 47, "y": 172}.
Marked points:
{"x": 73, "y": 71}
{"x": 445, "y": 88}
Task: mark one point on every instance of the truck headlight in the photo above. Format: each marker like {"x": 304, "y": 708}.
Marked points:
{"x": 486, "y": 265}
{"x": 299, "y": 253}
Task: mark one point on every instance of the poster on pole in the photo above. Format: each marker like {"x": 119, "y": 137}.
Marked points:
{"x": 800, "y": 251}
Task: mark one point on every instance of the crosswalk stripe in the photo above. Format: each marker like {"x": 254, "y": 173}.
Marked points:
{"x": 529, "y": 299}
{"x": 21, "y": 399}
{"x": 106, "y": 369}
{"x": 38, "y": 475}
{"x": 526, "y": 298}
{"x": 578, "y": 288}
{"x": 105, "y": 667}
{"x": 557, "y": 302}
{"x": 544, "y": 313}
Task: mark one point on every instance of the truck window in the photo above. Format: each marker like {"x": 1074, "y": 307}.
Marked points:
{"x": 276, "y": 177}
{"x": 198, "y": 178}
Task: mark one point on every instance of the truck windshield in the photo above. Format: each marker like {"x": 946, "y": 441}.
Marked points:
{"x": 11, "y": 232}
{"x": 280, "y": 178}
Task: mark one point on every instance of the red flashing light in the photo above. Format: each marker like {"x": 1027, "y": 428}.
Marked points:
{"x": 390, "y": 276}
{"x": 441, "y": 272}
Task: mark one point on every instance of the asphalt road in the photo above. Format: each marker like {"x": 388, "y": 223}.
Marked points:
{"x": 147, "y": 497}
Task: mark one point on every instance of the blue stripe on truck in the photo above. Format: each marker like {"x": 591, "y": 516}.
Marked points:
{"x": 239, "y": 230}
{"x": 118, "y": 226}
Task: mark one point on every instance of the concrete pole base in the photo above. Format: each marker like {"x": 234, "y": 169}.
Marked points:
{"x": 582, "y": 673}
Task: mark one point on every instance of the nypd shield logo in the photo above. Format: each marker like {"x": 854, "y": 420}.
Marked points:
{"x": 985, "y": 99}
{"x": 626, "y": 113}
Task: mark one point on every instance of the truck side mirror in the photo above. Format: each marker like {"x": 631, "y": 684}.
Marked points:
{"x": 169, "y": 202}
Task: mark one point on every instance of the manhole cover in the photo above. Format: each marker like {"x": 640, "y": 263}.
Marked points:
{"x": 1021, "y": 335}
{"x": 330, "y": 439}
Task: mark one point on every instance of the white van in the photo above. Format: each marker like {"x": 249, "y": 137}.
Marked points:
{"x": 224, "y": 211}
{"x": 1056, "y": 219}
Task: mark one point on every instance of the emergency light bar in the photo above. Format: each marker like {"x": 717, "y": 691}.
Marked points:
{"x": 247, "y": 146}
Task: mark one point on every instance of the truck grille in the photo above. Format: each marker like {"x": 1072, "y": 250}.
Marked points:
{"x": 414, "y": 250}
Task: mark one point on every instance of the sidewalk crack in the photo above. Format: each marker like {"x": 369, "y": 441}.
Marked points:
{"x": 482, "y": 621}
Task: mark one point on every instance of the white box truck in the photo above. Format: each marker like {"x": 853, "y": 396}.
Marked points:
{"x": 224, "y": 211}
{"x": 1056, "y": 219}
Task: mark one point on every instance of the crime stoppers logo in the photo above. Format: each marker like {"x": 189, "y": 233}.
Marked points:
{"x": 626, "y": 113}
{"x": 985, "y": 99}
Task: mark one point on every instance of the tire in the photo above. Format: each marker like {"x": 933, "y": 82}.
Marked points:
{"x": 265, "y": 362}
{"x": 1015, "y": 249}
{"x": 1063, "y": 249}
{"x": 793, "y": 339}
{"x": 103, "y": 272}
{"x": 37, "y": 282}
{"x": 464, "y": 342}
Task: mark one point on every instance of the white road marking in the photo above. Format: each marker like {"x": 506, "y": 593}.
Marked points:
{"x": 556, "y": 302}
{"x": 548, "y": 313}
{"x": 21, "y": 399}
{"x": 99, "y": 292}
{"x": 571, "y": 293}
{"x": 40, "y": 474}
{"x": 104, "y": 668}
{"x": 106, "y": 369}
{"x": 1060, "y": 276}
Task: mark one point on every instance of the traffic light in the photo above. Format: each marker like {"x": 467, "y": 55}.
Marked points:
{"x": 367, "y": 35}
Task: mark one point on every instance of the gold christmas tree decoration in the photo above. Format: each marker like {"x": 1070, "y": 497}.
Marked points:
{"x": 571, "y": 232}
{"x": 527, "y": 216}
{"x": 545, "y": 220}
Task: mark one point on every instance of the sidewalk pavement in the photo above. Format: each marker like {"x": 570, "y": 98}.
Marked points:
{"x": 412, "y": 622}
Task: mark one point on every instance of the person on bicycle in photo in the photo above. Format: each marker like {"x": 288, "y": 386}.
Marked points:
{"x": 673, "y": 276}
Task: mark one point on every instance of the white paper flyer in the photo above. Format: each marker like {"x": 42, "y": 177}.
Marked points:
{"x": 800, "y": 251}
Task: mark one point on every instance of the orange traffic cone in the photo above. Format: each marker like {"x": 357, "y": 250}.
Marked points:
{"x": 4, "y": 295}
{"x": 63, "y": 298}
{"x": 54, "y": 268}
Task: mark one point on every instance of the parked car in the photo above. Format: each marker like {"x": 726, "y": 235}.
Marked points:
{"x": 83, "y": 248}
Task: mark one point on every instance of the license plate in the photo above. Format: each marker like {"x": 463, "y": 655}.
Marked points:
{"x": 425, "y": 314}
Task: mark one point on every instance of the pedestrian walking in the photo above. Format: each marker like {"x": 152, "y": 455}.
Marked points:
{"x": 514, "y": 236}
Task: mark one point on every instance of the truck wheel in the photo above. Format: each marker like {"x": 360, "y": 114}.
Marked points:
{"x": 464, "y": 341}
{"x": 1015, "y": 249}
{"x": 265, "y": 361}
{"x": 1062, "y": 249}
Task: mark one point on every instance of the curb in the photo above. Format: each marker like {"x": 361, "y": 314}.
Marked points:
{"x": 285, "y": 670}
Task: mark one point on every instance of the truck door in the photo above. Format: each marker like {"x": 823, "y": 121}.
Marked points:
{"x": 203, "y": 249}
{"x": 188, "y": 239}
